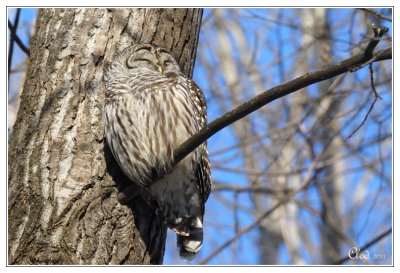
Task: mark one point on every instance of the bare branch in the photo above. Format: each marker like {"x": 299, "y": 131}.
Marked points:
{"x": 15, "y": 37}
{"x": 12, "y": 39}
{"x": 377, "y": 14}
{"x": 245, "y": 230}
{"x": 286, "y": 198}
{"x": 253, "y": 189}
{"x": 277, "y": 92}
{"x": 264, "y": 98}
{"x": 367, "y": 245}
{"x": 371, "y": 72}
{"x": 369, "y": 50}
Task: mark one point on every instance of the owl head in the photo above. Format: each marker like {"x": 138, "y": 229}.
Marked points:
{"x": 148, "y": 56}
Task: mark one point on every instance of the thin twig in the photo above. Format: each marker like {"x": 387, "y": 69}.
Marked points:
{"x": 371, "y": 73}
{"x": 309, "y": 177}
{"x": 12, "y": 39}
{"x": 236, "y": 221}
{"x": 367, "y": 245}
{"x": 13, "y": 32}
{"x": 341, "y": 235}
{"x": 245, "y": 230}
{"x": 377, "y": 14}
{"x": 253, "y": 189}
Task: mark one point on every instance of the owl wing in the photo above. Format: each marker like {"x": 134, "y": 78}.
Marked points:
{"x": 202, "y": 170}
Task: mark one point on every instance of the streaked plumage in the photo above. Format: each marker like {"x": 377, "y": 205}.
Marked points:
{"x": 151, "y": 108}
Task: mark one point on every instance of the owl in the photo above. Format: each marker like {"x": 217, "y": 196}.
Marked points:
{"x": 151, "y": 108}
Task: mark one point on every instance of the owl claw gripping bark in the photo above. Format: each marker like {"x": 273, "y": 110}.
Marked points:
{"x": 151, "y": 108}
{"x": 128, "y": 194}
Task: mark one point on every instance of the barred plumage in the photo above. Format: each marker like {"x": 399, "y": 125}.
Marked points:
{"x": 151, "y": 108}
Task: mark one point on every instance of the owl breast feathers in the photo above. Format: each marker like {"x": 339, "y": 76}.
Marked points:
{"x": 151, "y": 108}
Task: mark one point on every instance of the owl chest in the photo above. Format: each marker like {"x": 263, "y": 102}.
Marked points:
{"x": 162, "y": 116}
{"x": 157, "y": 122}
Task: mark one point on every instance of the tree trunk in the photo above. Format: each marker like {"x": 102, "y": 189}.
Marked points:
{"x": 63, "y": 181}
{"x": 331, "y": 190}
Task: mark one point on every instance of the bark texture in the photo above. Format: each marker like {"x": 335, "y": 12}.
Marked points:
{"x": 63, "y": 181}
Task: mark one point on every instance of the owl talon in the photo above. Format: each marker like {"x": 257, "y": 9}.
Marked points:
{"x": 128, "y": 194}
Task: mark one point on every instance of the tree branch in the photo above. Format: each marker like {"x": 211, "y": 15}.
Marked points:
{"x": 371, "y": 72}
{"x": 349, "y": 65}
{"x": 377, "y": 14}
{"x": 309, "y": 177}
{"x": 252, "y": 189}
{"x": 15, "y": 37}
{"x": 367, "y": 245}
{"x": 12, "y": 39}
{"x": 282, "y": 90}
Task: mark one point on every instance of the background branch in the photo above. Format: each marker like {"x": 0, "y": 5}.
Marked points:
{"x": 377, "y": 14}
{"x": 367, "y": 245}
{"x": 376, "y": 97}
{"x": 285, "y": 199}
{"x": 12, "y": 37}
{"x": 277, "y": 92}
{"x": 15, "y": 37}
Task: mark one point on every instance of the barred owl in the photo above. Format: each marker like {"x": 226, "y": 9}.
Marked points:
{"x": 151, "y": 108}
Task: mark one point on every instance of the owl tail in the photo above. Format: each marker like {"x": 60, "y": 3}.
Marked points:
{"x": 190, "y": 241}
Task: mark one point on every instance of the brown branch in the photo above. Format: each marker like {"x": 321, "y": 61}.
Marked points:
{"x": 280, "y": 91}
{"x": 348, "y": 65}
{"x": 377, "y": 14}
{"x": 367, "y": 245}
{"x": 368, "y": 52}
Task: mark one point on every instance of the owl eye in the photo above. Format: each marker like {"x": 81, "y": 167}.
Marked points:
{"x": 130, "y": 62}
{"x": 167, "y": 62}
{"x": 142, "y": 60}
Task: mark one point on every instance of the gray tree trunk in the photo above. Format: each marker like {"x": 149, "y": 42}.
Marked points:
{"x": 63, "y": 181}
{"x": 332, "y": 187}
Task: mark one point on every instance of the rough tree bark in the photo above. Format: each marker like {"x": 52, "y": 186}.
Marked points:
{"x": 63, "y": 181}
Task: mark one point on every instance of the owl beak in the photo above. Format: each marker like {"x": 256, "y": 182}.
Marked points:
{"x": 160, "y": 69}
